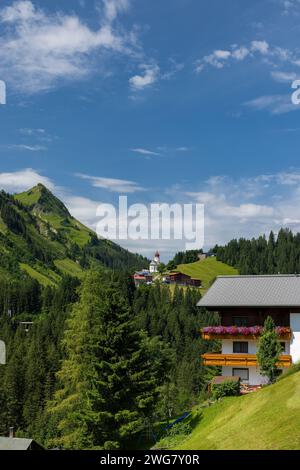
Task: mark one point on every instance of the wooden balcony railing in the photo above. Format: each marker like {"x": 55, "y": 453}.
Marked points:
{"x": 244, "y": 360}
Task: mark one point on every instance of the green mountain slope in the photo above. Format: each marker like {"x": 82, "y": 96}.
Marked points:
{"x": 207, "y": 270}
{"x": 39, "y": 238}
{"x": 267, "y": 419}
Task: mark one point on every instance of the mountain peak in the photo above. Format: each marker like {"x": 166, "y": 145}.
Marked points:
{"x": 41, "y": 199}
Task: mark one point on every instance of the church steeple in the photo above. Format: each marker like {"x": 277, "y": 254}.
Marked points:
{"x": 155, "y": 263}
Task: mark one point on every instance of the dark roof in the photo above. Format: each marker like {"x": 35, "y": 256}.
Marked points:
{"x": 253, "y": 291}
{"x": 15, "y": 443}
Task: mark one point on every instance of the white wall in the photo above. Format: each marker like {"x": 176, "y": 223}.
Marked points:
{"x": 227, "y": 346}
{"x": 254, "y": 374}
{"x": 295, "y": 341}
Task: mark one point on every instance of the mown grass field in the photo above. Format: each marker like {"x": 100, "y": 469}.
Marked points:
{"x": 67, "y": 266}
{"x": 268, "y": 419}
{"x": 207, "y": 270}
{"x": 44, "y": 279}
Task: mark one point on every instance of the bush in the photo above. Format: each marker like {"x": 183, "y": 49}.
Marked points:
{"x": 180, "y": 429}
{"x": 225, "y": 389}
{"x": 174, "y": 436}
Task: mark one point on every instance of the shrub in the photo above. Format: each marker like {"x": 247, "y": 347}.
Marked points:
{"x": 180, "y": 429}
{"x": 269, "y": 350}
{"x": 225, "y": 389}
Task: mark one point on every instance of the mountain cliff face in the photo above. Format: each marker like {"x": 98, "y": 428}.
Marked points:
{"x": 39, "y": 238}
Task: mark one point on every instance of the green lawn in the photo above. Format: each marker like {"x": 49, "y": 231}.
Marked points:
{"x": 207, "y": 270}
{"x": 41, "y": 278}
{"x": 267, "y": 419}
{"x": 67, "y": 266}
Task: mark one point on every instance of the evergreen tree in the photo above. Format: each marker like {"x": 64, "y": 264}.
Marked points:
{"x": 269, "y": 350}
{"x": 108, "y": 387}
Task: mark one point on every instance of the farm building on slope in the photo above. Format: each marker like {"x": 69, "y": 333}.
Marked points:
{"x": 243, "y": 303}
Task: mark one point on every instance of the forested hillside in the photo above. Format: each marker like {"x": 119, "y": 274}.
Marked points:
{"x": 102, "y": 362}
{"x": 39, "y": 239}
{"x": 263, "y": 255}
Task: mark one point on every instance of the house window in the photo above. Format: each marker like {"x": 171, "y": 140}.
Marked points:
{"x": 240, "y": 347}
{"x": 240, "y": 321}
{"x": 242, "y": 373}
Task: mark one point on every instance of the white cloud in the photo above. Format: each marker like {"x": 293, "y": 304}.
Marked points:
{"x": 217, "y": 59}
{"x": 82, "y": 208}
{"x": 39, "y": 49}
{"x": 22, "y": 180}
{"x": 260, "y": 49}
{"x": 34, "y": 132}
{"x": 260, "y": 46}
{"x": 283, "y": 77}
{"x": 247, "y": 207}
{"x": 290, "y": 6}
{"x": 275, "y": 104}
{"x": 112, "y": 184}
{"x": 240, "y": 53}
{"x": 234, "y": 207}
{"x": 19, "y": 11}
{"x": 183, "y": 149}
{"x": 24, "y": 147}
{"x": 150, "y": 74}
{"x": 144, "y": 151}
{"x": 114, "y": 7}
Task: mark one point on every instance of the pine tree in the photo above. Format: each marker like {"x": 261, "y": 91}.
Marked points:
{"x": 269, "y": 350}
{"x": 108, "y": 388}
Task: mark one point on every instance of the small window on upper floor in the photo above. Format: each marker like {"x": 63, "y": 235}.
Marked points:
{"x": 240, "y": 347}
{"x": 240, "y": 321}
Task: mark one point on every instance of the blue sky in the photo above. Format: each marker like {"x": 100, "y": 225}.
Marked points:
{"x": 166, "y": 101}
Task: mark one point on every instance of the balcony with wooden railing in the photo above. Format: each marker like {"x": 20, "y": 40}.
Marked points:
{"x": 240, "y": 360}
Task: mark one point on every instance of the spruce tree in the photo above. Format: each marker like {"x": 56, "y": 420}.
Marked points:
{"x": 108, "y": 388}
{"x": 269, "y": 350}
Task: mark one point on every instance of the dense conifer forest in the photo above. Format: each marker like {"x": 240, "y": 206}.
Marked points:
{"x": 264, "y": 255}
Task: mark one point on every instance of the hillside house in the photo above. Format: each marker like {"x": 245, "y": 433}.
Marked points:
{"x": 14, "y": 443}
{"x": 17, "y": 443}
{"x": 142, "y": 277}
{"x": 243, "y": 303}
{"x": 181, "y": 279}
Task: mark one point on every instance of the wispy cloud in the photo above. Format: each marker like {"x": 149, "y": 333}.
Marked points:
{"x": 234, "y": 207}
{"x": 24, "y": 147}
{"x": 284, "y": 77}
{"x": 272, "y": 56}
{"x": 112, "y": 184}
{"x": 275, "y": 104}
{"x": 38, "y": 49}
{"x": 220, "y": 57}
{"x": 144, "y": 151}
{"x": 151, "y": 73}
{"x": 290, "y": 6}
{"x": 246, "y": 207}
{"x": 39, "y": 135}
